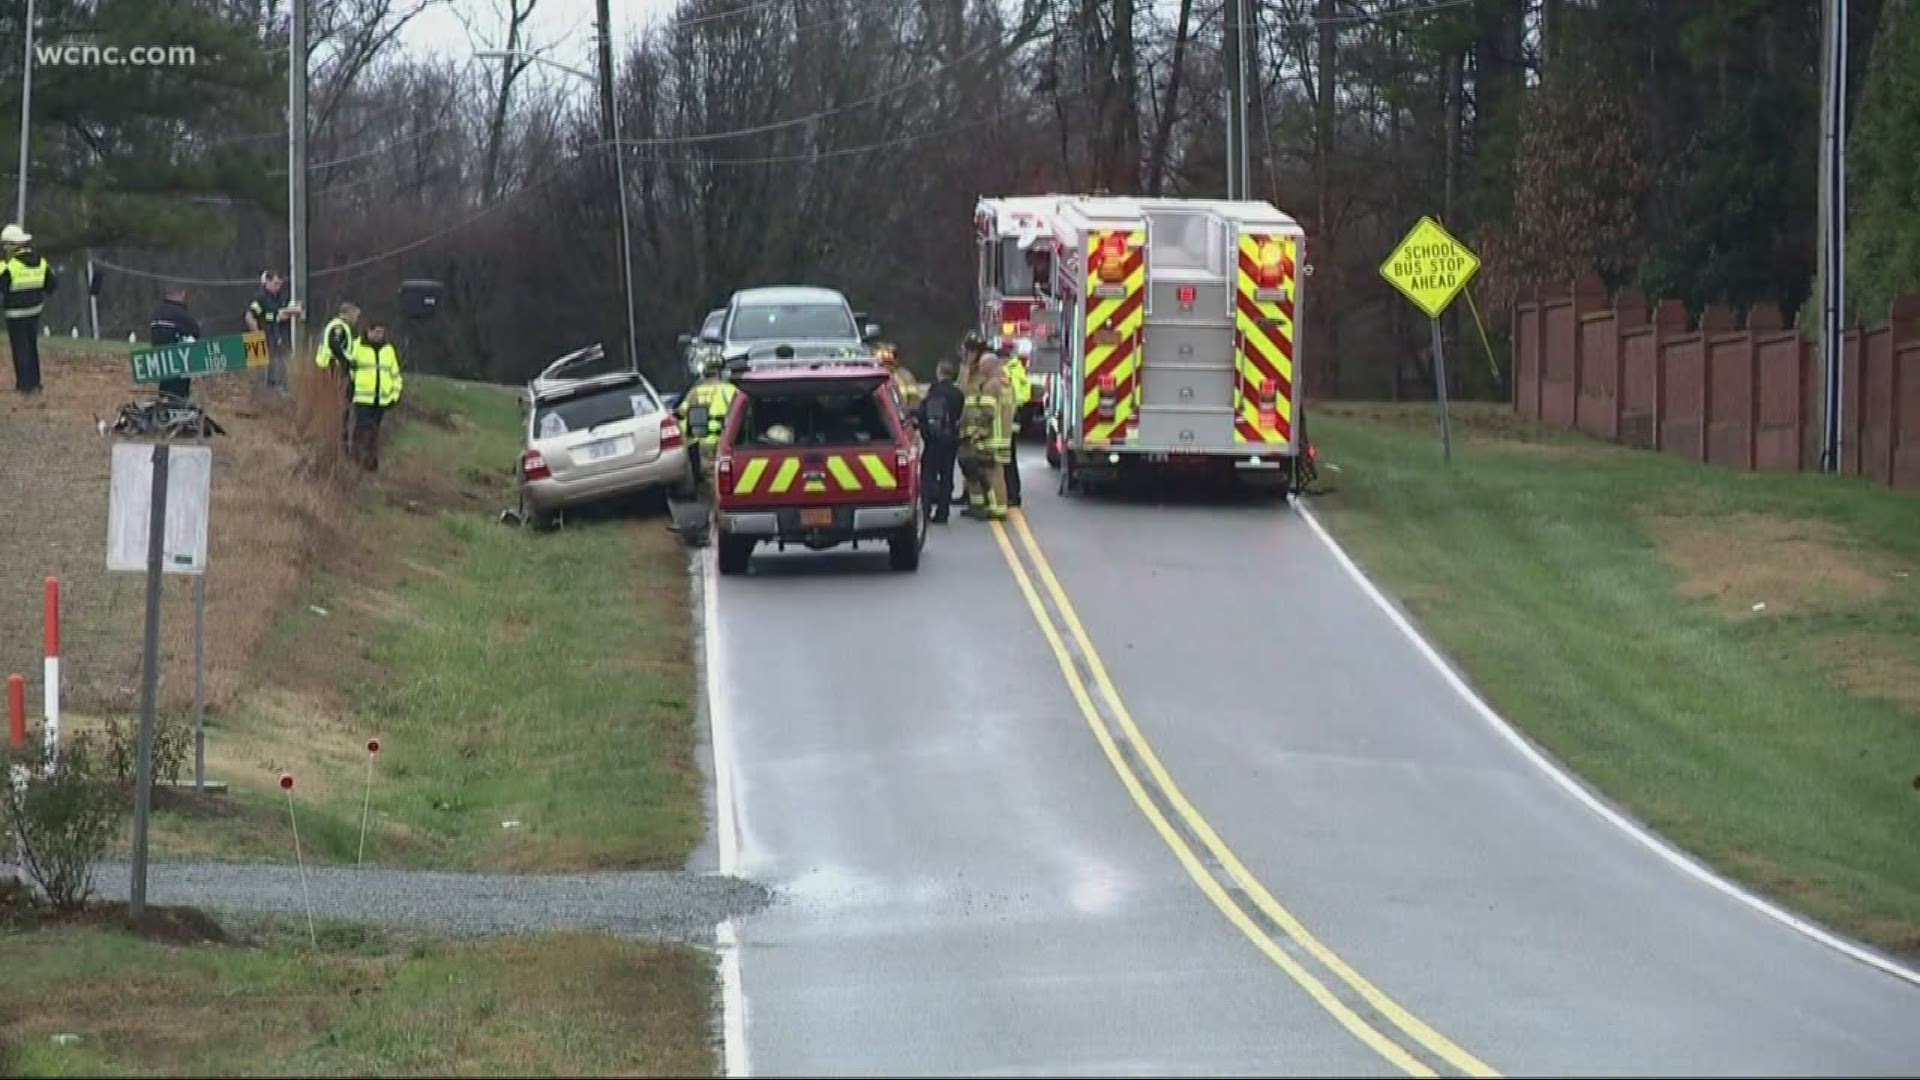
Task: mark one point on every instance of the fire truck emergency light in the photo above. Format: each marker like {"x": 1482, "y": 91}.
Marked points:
{"x": 1113, "y": 258}
{"x": 1268, "y": 266}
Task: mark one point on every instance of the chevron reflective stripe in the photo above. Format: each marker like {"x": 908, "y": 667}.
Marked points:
{"x": 1113, "y": 338}
{"x": 1263, "y": 336}
{"x": 832, "y": 473}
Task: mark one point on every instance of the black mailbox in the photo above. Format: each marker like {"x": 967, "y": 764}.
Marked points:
{"x": 420, "y": 298}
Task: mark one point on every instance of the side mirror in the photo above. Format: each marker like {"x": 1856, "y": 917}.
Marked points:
{"x": 685, "y": 340}
{"x": 710, "y": 338}
{"x": 870, "y": 331}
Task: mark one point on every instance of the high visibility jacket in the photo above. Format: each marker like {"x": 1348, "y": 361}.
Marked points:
{"x": 908, "y": 386}
{"x": 1020, "y": 388}
{"x": 376, "y": 374}
{"x": 26, "y": 285}
{"x": 324, "y": 356}
{"x": 716, "y": 397}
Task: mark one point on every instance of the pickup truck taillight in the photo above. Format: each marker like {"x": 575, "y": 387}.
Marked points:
{"x": 533, "y": 466}
{"x": 723, "y": 467}
{"x": 670, "y": 436}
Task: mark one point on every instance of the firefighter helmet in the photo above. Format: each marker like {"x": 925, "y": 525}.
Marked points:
{"x": 974, "y": 341}
{"x": 780, "y": 435}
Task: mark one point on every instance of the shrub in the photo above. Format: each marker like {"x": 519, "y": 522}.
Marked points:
{"x": 61, "y": 816}
{"x": 319, "y": 403}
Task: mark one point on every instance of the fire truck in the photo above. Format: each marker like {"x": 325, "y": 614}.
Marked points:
{"x": 1179, "y": 348}
{"x": 1018, "y": 310}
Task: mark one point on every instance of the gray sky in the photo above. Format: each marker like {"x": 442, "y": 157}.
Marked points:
{"x": 566, "y": 24}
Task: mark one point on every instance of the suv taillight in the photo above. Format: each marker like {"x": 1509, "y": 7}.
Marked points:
{"x": 723, "y": 466}
{"x": 533, "y": 466}
{"x": 670, "y": 436}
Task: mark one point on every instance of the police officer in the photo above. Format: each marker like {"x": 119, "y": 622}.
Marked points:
{"x": 336, "y": 351}
{"x": 984, "y": 429}
{"x": 1019, "y": 392}
{"x": 939, "y": 415}
{"x": 25, "y": 281}
{"x": 172, "y": 324}
{"x": 376, "y": 388}
{"x": 703, "y": 413}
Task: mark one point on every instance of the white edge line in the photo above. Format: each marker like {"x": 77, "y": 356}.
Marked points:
{"x": 733, "y": 1001}
{"x": 1575, "y": 788}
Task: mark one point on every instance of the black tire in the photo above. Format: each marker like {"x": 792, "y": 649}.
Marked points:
{"x": 903, "y": 548}
{"x": 735, "y": 553}
{"x": 1070, "y": 482}
{"x": 1053, "y": 453}
{"x": 543, "y": 520}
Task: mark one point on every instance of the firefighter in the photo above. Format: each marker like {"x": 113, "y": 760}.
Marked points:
{"x": 903, "y": 380}
{"x": 376, "y": 388}
{"x": 25, "y": 280}
{"x": 1019, "y": 392}
{"x": 983, "y": 431}
{"x": 703, "y": 413}
{"x": 939, "y": 415}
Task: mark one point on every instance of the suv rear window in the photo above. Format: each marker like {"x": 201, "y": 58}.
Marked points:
{"x": 792, "y": 322}
{"x": 835, "y": 417}
{"x": 591, "y": 410}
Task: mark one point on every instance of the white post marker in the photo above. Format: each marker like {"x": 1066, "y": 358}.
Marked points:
{"x": 50, "y": 690}
{"x": 1430, "y": 267}
{"x": 373, "y": 751}
{"x": 286, "y": 785}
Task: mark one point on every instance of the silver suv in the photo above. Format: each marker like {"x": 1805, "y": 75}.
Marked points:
{"x": 813, "y": 322}
{"x": 594, "y": 438}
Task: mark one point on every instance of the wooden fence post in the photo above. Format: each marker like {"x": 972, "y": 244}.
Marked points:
{"x": 1716, "y": 319}
{"x": 1903, "y": 324}
{"x": 1668, "y": 316}
{"x": 1629, "y": 309}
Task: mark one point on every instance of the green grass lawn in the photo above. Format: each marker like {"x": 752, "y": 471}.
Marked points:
{"x": 1604, "y": 599}
{"x": 366, "y": 1003}
{"x": 542, "y": 680}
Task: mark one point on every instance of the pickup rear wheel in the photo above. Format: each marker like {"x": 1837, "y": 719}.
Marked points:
{"x": 903, "y": 548}
{"x": 735, "y": 552}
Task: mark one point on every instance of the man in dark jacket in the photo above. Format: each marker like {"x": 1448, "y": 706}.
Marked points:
{"x": 939, "y": 417}
{"x": 172, "y": 324}
{"x": 264, "y": 315}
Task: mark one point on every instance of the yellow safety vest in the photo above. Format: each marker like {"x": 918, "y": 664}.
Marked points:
{"x": 376, "y": 374}
{"x": 323, "y": 357}
{"x": 1017, "y": 383}
{"x": 26, "y": 287}
{"x": 714, "y": 396}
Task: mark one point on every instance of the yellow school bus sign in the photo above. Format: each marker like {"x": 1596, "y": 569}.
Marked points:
{"x": 1430, "y": 267}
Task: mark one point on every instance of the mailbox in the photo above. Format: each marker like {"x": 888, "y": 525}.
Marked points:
{"x": 420, "y": 298}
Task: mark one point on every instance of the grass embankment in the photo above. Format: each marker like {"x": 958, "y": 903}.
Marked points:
{"x": 1734, "y": 657}
{"x": 533, "y": 693}
{"x": 366, "y": 1003}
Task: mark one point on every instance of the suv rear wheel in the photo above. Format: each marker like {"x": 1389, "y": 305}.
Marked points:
{"x": 735, "y": 552}
{"x": 903, "y": 548}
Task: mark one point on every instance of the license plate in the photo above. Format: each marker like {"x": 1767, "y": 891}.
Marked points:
{"x": 815, "y": 518}
{"x": 607, "y": 448}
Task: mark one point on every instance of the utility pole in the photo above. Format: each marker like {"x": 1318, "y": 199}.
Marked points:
{"x": 297, "y": 173}
{"x": 610, "y": 131}
{"x": 1236, "y": 55}
{"x": 26, "y": 119}
{"x": 1833, "y": 234}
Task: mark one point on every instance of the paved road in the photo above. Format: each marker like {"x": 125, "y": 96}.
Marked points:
{"x": 1272, "y": 840}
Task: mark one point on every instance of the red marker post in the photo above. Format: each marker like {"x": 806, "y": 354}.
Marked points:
{"x": 286, "y": 785}
{"x": 373, "y": 751}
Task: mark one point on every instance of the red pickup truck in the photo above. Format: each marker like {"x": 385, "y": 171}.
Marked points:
{"x": 817, "y": 453}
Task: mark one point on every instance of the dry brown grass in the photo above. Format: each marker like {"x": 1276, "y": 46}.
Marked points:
{"x": 273, "y": 511}
{"x": 1792, "y": 566}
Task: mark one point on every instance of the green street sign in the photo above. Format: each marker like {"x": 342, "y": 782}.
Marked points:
{"x": 193, "y": 359}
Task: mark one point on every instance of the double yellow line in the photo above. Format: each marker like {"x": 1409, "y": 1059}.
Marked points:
{"x": 1284, "y": 929}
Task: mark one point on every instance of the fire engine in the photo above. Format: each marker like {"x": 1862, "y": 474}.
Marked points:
{"x": 1019, "y": 312}
{"x": 1179, "y": 346}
